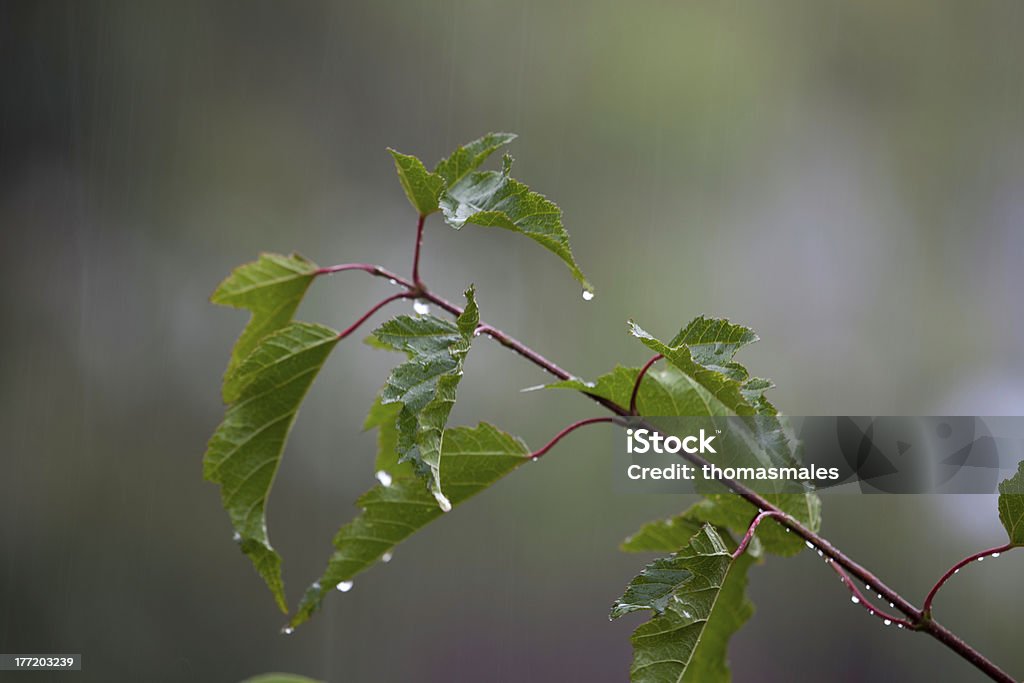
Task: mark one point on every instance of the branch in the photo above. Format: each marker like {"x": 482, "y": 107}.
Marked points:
{"x": 994, "y": 552}
{"x": 917, "y": 619}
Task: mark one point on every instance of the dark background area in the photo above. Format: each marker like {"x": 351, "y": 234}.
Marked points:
{"x": 843, "y": 177}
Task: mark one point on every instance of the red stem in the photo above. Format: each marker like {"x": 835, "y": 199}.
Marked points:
{"x": 859, "y": 599}
{"x": 376, "y": 307}
{"x": 639, "y": 377}
{"x": 927, "y": 608}
{"x": 416, "y": 255}
{"x": 761, "y": 516}
{"x": 565, "y": 432}
{"x": 365, "y": 267}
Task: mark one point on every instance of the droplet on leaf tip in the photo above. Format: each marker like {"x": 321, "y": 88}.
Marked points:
{"x": 345, "y": 586}
{"x": 588, "y": 295}
{"x": 287, "y": 631}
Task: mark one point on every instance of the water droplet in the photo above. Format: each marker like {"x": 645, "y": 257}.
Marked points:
{"x": 867, "y": 587}
{"x": 809, "y": 544}
{"x": 956, "y": 571}
{"x": 386, "y": 557}
{"x": 787, "y": 530}
{"x": 237, "y": 537}
{"x": 981, "y": 559}
{"x": 588, "y": 295}
{"x": 887, "y": 622}
{"x": 344, "y": 586}
{"x": 420, "y": 307}
{"x": 384, "y": 478}
{"x": 899, "y": 625}
{"x": 392, "y": 280}
{"x": 287, "y": 631}
{"x": 891, "y": 605}
{"x": 871, "y": 612}
{"x": 879, "y": 596}
{"x": 442, "y": 501}
{"x": 995, "y": 554}
{"x": 854, "y": 599}
{"x": 820, "y": 554}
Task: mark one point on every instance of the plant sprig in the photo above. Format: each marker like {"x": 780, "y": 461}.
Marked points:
{"x": 426, "y": 468}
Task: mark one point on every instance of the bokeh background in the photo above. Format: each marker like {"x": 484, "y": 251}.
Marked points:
{"x": 845, "y": 177}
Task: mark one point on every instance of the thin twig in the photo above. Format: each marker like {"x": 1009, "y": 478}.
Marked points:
{"x": 341, "y": 267}
{"x": 639, "y": 378}
{"x": 994, "y": 552}
{"x": 376, "y": 307}
{"x": 858, "y": 599}
{"x": 565, "y": 432}
{"x": 747, "y": 537}
{"x": 416, "y": 254}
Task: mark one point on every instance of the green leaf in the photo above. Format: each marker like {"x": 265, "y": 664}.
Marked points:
{"x": 421, "y": 186}
{"x": 384, "y": 417}
{"x": 279, "y": 678}
{"x": 687, "y": 388}
{"x": 713, "y": 342}
{"x": 698, "y": 597}
{"x": 244, "y": 453}
{"x": 1011, "y": 505}
{"x": 472, "y": 459}
{"x": 494, "y": 199}
{"x": 720, "y": 384}
{"x": 663, "y": 535}
{"x": 664, "y": 391}
{"x": 468, "y": 157}
{"x": 425, "y": 385}
{"x": 271, "y": 288}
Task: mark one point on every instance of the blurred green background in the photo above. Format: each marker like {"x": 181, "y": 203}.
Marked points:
{"x": 845, "y": 177}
